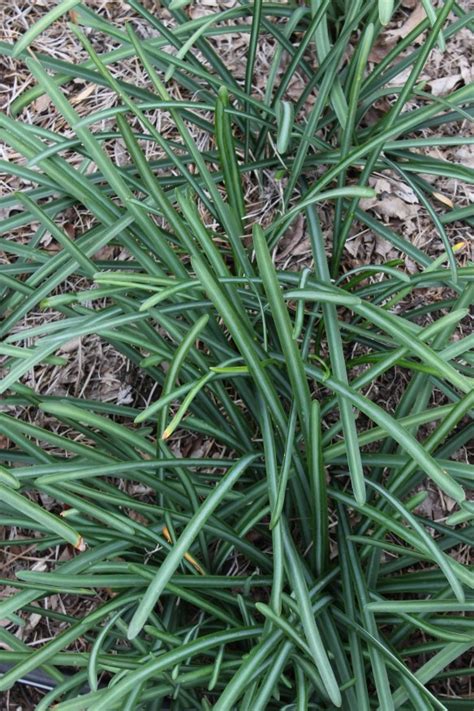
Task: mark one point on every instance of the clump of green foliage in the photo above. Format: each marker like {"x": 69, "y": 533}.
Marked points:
{"x": 296, "y": 571}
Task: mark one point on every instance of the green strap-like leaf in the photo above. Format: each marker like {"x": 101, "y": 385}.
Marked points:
{"x": 183, "y": 544}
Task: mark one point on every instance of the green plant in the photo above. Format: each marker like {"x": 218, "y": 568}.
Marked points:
{"x": 290, "y": 568}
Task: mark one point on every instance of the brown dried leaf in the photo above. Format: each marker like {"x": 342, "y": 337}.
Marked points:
{"x": 414, "y": 19}
{"x": 406, "y": 193}
{"x": 444, "y": 199}
{"x": 84, "y": 94}
{"x": 380, "y": 49}
{"x": 383, "y": 247}
{"x": 443, "y": 85}
{"x": 42, "y": 103}
{"x": 390, "y": 206}
{"x": 465, "y": 155}
{"x": 353, "y": 245}
{"x": 71, "y": 345}
{"x": 292, "y": 238}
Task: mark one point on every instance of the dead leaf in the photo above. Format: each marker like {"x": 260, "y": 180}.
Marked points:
{"x": 71, "y": 345}
{"x": 125, "y": 395}
{"x": 381, "y": 185}
{"x": 33, "y": 620}
{"x": 353, "y": 245}
{"x": 466, "y": 69}
{"x": 384, "y": 187}
{"x": 443, "y": 85}
{"x": 414, "y": 19}
{"x": 292, "y": 238}
{"x": 381, "y": 48}
{"x": 303, "y": 247}
{"x": 70, "y": 229}
{"x": 411, "y": 266}
{"x": 84, "y": 94}
{"x": 41, "y": 103}
{"x": 406, "y": 193}
{"x": 401, "y": 78}
{"x": 382, "y": 246}
{"x": 465, "y": 155}
{"x": 444, "y": 199}
{"x": 391, "y": 207}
